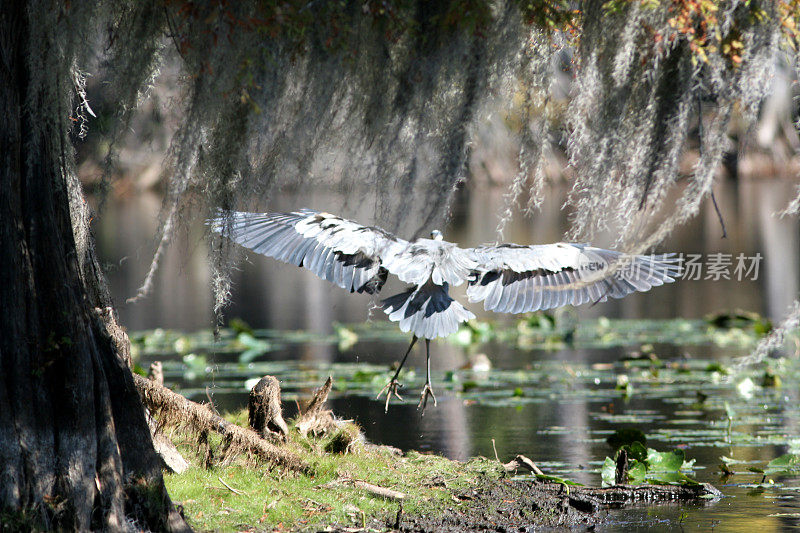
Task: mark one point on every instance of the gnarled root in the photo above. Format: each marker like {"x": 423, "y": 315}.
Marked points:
{"x": 341, "y": 435}
{"x": 314, "y": 419}
{"x": 171, "y": 407}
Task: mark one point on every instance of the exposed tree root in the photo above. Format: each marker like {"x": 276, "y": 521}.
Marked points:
{"x": 167, "y": 405}
{"x": 342, "y": 435}
{"x": 171, "y": 458}
{"x": 169, "y": 454}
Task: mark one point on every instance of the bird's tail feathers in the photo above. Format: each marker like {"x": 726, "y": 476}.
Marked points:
{"x": 427, "y": 311}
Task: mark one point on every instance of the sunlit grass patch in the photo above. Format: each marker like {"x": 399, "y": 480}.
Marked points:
{"x": 244, "y": 494}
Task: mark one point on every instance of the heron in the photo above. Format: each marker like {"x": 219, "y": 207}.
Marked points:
{"x": 507, "y": 278}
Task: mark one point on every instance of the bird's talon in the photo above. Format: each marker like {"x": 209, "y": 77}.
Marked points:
{"x": 423, "y": 401}
{"x": 390, "y": 389}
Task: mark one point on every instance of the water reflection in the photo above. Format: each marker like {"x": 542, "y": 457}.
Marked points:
{"x": 568, "y": 411}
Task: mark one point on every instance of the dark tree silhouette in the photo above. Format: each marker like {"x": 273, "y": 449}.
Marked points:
{"x": 75, "y": 450}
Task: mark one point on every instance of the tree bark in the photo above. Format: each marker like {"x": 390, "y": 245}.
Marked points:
{"x": 75, "y": 450}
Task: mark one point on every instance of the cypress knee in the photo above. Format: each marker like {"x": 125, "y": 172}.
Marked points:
{"x": 264, "y": 404}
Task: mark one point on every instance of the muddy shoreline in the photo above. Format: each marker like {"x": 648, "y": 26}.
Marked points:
{"x": 522, "y": 505}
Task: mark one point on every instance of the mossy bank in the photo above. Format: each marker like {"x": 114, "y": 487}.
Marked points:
{"x": 379, "y": 488}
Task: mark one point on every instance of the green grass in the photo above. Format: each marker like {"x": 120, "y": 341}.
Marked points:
{"x": 271, "y": 499}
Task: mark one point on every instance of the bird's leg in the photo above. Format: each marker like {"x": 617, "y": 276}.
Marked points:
{"x": 427, "y": 390}
{"x": 393, "y": 385}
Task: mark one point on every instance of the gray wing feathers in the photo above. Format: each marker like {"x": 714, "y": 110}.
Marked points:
{"x": 335, "y": 249}
{"x": 519, "y": 279}
{"x": 318, "y": 241}
{"x": 508, "y": 278}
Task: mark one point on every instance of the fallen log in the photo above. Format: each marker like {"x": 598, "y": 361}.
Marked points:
{"x": 165, "y": 404}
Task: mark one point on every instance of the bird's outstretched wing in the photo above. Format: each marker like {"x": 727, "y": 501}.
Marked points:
{"x": 517, "y": 279}
{"x": 335, "y": 249}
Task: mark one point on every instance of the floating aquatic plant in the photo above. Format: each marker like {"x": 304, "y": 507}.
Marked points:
{"x": 646, "y": 465}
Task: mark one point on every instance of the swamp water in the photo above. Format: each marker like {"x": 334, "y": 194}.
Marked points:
{"x": 557, "y": 389}
{"x": 552, "y": 400}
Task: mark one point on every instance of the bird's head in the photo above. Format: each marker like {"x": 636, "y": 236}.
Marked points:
{"x": 436, "y": 235}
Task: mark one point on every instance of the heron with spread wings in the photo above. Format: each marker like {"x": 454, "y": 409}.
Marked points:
{"x": 507, "y": 278}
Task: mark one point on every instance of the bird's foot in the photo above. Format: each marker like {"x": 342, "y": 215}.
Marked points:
{"x": 423, "y": 400}
{"x": 390, "y": 389}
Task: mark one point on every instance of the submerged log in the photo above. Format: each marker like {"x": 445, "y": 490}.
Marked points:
{"x": 264, "y": 406}
{"x": 592, "y": 500}
{"x": 178, "y": 410}
{"x": 521, "y": 505}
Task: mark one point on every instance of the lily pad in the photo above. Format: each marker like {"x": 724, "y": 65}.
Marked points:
{"x": 253, "y": 347}
{"x": 672, "y": 461}
{"x": 787, "y": 462}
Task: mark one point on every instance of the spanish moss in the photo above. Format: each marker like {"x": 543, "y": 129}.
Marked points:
{"x": 384, "y": 102}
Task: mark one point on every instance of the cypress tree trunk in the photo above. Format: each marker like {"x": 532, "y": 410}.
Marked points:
{"x": 75, "y": 450}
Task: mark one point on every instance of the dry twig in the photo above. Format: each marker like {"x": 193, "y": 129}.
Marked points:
{"x": 520, "y": 461}
{"x": 375, "y": 490}
{"x": 235, "y": 491}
